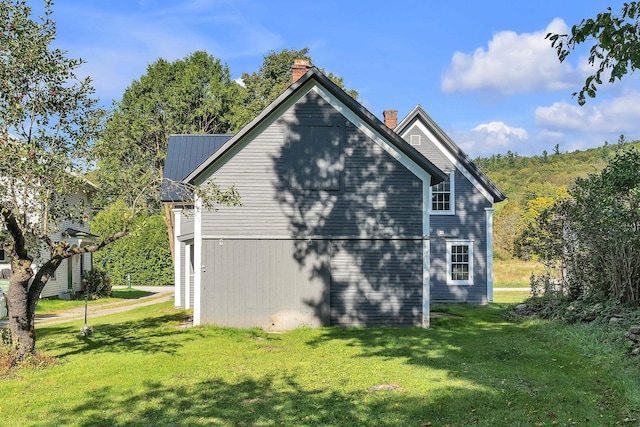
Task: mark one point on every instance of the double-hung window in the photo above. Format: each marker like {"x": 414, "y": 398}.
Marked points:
{"x": 443, "y": 197}
{"x": 459, "y": 262}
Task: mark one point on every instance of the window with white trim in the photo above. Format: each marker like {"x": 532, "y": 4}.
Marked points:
{"x": 443, "y": 197}
{"x": 2, "y": 255}
{"x": 459, "y": 262}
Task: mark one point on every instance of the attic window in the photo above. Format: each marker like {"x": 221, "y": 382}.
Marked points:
{"x": 414, "y": 140}
{"x": 314, "y": 157}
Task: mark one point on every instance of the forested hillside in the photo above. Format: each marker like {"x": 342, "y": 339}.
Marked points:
{"x": 534, "y": 183}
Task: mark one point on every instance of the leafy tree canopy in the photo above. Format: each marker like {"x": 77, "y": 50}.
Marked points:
{"x": 143, "y": 256}
{"x": 615, "y": 50}
{"x": 48, "y": 120}
{"x": 273, "y": 77}
{"x": 191, "y": 95}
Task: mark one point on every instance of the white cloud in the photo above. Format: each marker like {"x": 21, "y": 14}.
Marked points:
{"x": 618, "y": 115}
{"x": 512, "y": 63}
{"x": 490, "y": 138}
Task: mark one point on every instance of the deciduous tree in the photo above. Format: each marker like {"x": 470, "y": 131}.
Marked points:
{"x": 273, "y": 77}
{"x": 192, "y": 95}
{"x": 48, "y": 117}
{"x": 615, "y": 45}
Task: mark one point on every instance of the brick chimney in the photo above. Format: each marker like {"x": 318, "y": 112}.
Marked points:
{"x": 390, "y": 118}
{"x": 299, "y": 68}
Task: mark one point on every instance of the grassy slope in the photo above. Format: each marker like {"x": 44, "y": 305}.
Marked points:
{"x": 140, "y": 368}
{"x": 514, "y": 273}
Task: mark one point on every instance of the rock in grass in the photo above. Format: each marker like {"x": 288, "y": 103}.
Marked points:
{"x": 385, "y": 387}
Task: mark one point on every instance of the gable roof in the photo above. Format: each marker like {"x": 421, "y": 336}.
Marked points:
{"x": 309, "y": 78}
{"x": 459, "y": 157}
{"x": 184, "y": 154}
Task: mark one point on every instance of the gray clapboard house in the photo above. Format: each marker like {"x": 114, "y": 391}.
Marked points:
{"x": 336, "y": 225}
{"x": 461, "y": 214}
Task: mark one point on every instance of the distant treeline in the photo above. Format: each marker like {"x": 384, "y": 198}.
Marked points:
{"x": 534, "y": 183}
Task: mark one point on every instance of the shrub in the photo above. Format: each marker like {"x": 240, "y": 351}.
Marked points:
{"x": 144, "y": 254}
{"x": 594, "y": 235}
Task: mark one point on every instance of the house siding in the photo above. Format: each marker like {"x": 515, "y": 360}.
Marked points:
{"x": 377, "y": 197}
{"x": 283, "y": 258}
{"x": 251, "y": 282}
{"x": 79, "y": 263}
{"x": 186, "y": 224}
{"x": 376, "y": 282}
{"x": 180, "y": 286}
{"x": 468, "y": 223}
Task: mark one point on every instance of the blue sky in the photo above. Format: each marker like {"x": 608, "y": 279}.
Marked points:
{"x": 481, "y": 69}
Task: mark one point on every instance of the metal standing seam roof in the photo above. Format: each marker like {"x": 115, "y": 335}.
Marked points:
{"x": 184, "y": 154}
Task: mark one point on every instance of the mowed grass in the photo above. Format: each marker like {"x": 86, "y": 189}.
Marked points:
{"x": 514, "y": 273}
{"x": 144, "y": 368}
{"x": 55, "y": 305}
{"x": 510, "y": 297}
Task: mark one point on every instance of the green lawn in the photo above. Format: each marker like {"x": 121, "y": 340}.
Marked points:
{"x": 514, "y": 273}
{"x": 510, "y": 297}
{"x": 142, "y": 368}
{"x": 118, "y": 296}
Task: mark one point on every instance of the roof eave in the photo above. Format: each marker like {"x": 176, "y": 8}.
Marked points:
{"x": 419, "y": 113}
{"x": 436, "y": 174}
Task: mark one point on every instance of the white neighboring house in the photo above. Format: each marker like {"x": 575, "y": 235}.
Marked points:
{"x": 68, "y": 277}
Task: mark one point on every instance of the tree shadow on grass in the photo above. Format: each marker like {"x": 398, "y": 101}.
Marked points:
{"x": 152, "y": 334}
{"x": 270, "y": 401}
{"x": 517, "y": 361}
{"x": 479, "y": 335}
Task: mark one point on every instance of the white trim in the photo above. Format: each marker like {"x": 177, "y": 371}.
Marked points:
{"x": 177, "y": 248}
{"x": 489, "y": 220}
{"x": 426, "y": 254}
{"x": 436, "y": 142}
{"x": 314, "y": 237}
{"x": 426, "y": 283}
{"x": 460, "y": 242}
{"x": 415, "y": 169}
{"x": 188, "y": 284}
{"x": 197, "y": 261}
{"x": 452, "y": 197}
